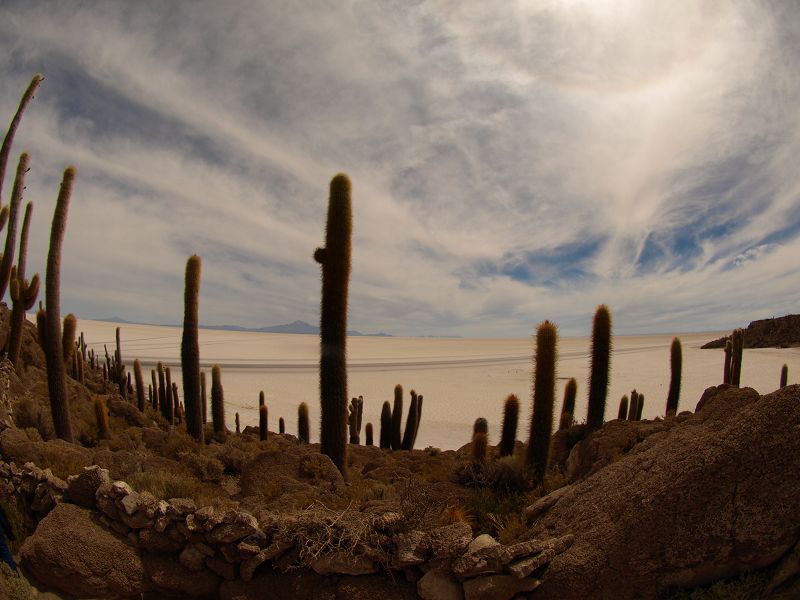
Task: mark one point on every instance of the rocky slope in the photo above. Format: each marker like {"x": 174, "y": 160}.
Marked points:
{"x": 781, "y": 332}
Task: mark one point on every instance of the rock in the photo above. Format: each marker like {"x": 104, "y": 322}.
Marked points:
{"x": 410, "y": 549}
{"x": 788, "y": 568}
{"x": 221, "y": 567}
{"x": 82, "y": 488}
{"x": 544, "y": 555}
{"x": 193, "y": 556}
{"x": 260, "y": 473}
{"x": 70, "y": 552}
{"x": 498, "y": 587}
{"x": 275, "y": 550}
{"x": 157, "y": 542}
{"x": 482, "y": 541}
{"x": 177, "y": 508}
{"x": 240, "y": 526}
{"x": 545, "y": 503}
{"x": 343, "y": 563}
{"x": 168, "y": 575}
{"x": 711, "y": 493}
{"x": 450, "y": 540}
{"x": 439, "y": 585}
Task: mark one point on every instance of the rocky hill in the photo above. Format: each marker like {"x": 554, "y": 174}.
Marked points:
{"x": 780, "y": 332}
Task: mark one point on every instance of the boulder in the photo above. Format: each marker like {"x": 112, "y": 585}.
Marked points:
{"x": 72, "y": 553}
{"x": 439, "y": 584}
{"x": 82, "y": 488}
{"x": 710, "y": 498}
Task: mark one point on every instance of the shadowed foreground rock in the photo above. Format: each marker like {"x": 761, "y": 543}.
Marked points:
{"x": 710, "y": 498}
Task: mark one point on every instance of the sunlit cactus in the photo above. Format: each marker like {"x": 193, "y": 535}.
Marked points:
{"x": 676, "y": 365}
{"x": 601, "y": 364}
{"x": 335, "y": 261}
{"x": 544, "y": 385}
{"x": 508, "y": 437}
{"x": 302, "y": 423}
{"x": 56, "y": 369}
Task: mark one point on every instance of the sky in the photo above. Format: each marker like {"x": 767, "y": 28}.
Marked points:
{"x": 510, "y": 162}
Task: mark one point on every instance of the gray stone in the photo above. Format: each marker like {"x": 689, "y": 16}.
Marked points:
{"x": 240, "y": 526}
{"x": 449, "y": 541}
{"x": 410, "y": 549}
{"x": 482, "y": 541}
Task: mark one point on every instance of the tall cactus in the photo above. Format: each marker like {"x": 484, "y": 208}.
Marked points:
{"x": 190, "y": 350}
{"x": 676, "y": 365}
{"x": 302, "y": 424}
{"x": 5, "y": 149}
{"x": 640, "y": 407}
{"x": 736, "y": 356}
{"x": 68, "y": 338}
{"x": 568, "y": 406}
{"x": 217, "y": 401}
{"x": 238, "y": 425}
{"x": 419, "y": 419}
{"x": 633, "y": 407}
{"x": 203, "y": 397}
{"x": 11, "y": 235}
{"x": 397, "y": 418}
{"x": 601, "y": 363}
{"x": 726, "y": 373}
{"x": 169, "y": 401}
{"x": 23, "y": 295}
{"x": 508, "y": 438}
{"x": 101, "y": 416}
{"x": 120, "y": 367}
{"x": 56, "y": 370}
{"x": 137, "y": 374}
{"x": 335, "y": 261}
{"x": 544, "y": 386}
{"x": 281, "y": 426}
{"x": 154, "y": 390}
{"x": 386, "y": 426}
{"x": 263, "y": 433}
{"x": 162, "y": 392}
{"x": 354, "y": 419}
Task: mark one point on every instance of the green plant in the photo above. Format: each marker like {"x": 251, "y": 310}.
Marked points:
{"x": 544, "y": 383}
{"x": 11, "y": 234}
{"x": 190, "y": 349}
{"x": 623, "y": 407}
{"x": 263, "y": 433}
{"x": 56, "y": 371}
{"x": 335, "y": 261}
{"x": 302, "y": 423}
{"x": 411, "y": 423}
{"x": 601, "y": 363}
{"x": 676, "y": 364}
{"x": 368, "y": 433}
{"x": 386, "y": 426}
{"x": 217, "y": 401}
{"x": 568, "y": 407}
{"x": 397, "y": 418}
{"x": 508, "y": 437}
{"x": 784, "y": 375}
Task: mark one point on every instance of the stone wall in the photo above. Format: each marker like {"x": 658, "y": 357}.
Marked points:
{"x": 444, "y": 562}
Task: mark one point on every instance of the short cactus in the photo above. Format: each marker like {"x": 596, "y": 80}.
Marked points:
{"x": 411, "y": 423}
{"x": 623, "y": 408}
{"x": 354, "y": 419}
{"x": 633, "y": 407}
{"x": 479, "y": 447}
{"x": 281, "y": 425}
{"x": 368, "y": 433}
{"x": 169, "y": 399}
{"x": 217, "y": 401}
{"x": 263, "y": 433}
{"x": 736, "y": 356}
{"x": 726, "y": 374}
{"x": 784, "y": 375}
{"x": 508, "y": 438}
{"x": 302, "y": 423}
{"x": 238, "y": 425}
{"x": 203, "y": 397}
{"x": 386, "y": 426}
{"x": 481, "y": 425}
{"x": 640, "y": 407}
{"x": 68, "y": 338}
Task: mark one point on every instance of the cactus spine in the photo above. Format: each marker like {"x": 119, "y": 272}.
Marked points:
{"x": 190, "y": 349}
{"x": 368, "y": 433}
{"x": 217, "y": 401}
{"x": 508, "y": 437}
{"x": 263, "y": 433}
{"x": 302, "y": 423}
{"x": 544, "y": 386}
{"x": 335, "y": 261}
{"x": 137, "y": 373}
{"x": 56, "y": 370}
{"x": 386, "y": 426}
{"x": 568, "y": 407}
{"x": 397, "y": 417}
{"x": 11, "y": 234}
{"x": 676, "y": 365}
{"x": 601, "y": 363}
{"x": 623, "y": 408}
{"x": 784, "y": 375}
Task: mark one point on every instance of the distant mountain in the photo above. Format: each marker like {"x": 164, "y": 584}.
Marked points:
{"x": 300, "y": 327}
